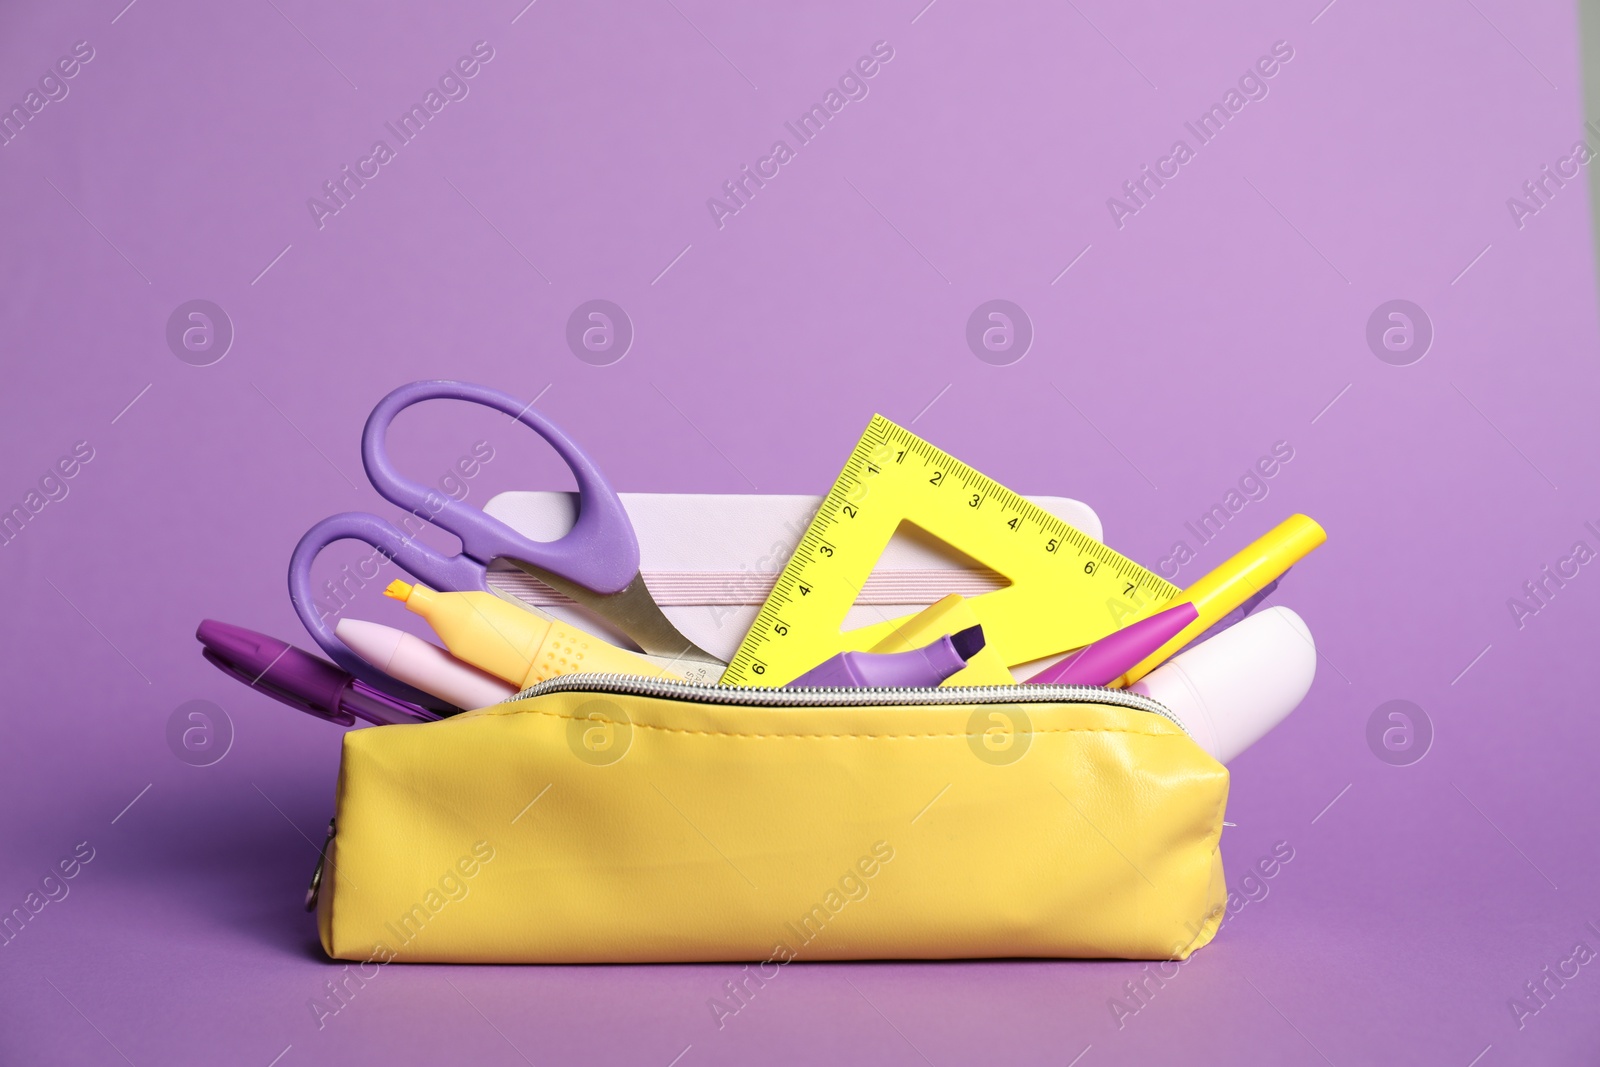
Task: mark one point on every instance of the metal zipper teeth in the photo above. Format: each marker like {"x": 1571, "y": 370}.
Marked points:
{"x": 839, "y": 696}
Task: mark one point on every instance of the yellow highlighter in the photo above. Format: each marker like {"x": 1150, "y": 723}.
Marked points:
{"x": 947, "y": 616}
{"x": 517, "y": 645}
{"x": 1234, "y": 582}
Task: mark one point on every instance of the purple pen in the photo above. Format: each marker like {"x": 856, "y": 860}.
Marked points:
{"x": 915, "y": 668}
{"x": 1110, "y": 657}
{"x": 301, "y": 680}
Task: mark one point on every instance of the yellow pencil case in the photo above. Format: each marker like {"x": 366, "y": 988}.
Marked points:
{"x": 610, "y": 819}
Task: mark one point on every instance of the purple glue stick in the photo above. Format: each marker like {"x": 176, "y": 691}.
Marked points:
{"x": 1111, "y": 657}
{"x": 918, "y": 668}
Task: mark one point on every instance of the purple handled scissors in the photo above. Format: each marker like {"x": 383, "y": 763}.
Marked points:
{"x": 596, "y": 563}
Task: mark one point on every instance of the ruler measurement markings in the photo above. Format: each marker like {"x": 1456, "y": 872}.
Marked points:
{"x": 837, "y": 535}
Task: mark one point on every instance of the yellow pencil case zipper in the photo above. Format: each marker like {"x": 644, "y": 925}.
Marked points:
{"x": 607, "y": 818}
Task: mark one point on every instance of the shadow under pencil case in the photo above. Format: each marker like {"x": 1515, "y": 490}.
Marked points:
{"x": 612, "y": 819}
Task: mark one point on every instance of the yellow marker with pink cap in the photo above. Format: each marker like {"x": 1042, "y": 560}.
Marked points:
{"x": 1246, "y": 573}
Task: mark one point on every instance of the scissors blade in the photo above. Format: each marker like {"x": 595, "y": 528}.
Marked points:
{"x": 633, "y": 611}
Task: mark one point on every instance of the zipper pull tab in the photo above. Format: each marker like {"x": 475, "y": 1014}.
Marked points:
{"x": 315, "y": 887}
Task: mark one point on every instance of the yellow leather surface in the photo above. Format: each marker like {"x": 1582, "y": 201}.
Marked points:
{"x": 553, "y": 830}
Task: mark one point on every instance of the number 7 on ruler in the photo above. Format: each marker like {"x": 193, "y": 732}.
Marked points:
{"x": 1065, "y": 588}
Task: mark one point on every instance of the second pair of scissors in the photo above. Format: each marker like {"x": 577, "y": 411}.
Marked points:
{"x": 596, "y": 563}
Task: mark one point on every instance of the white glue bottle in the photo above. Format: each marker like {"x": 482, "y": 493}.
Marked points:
{"x": 1228, "y": 691}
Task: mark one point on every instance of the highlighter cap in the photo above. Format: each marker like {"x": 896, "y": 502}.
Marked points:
{"x": 1229, "y": 691}
{"x": 928, "y": 666}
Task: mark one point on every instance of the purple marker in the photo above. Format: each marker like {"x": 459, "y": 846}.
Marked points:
{"x": 1113, "y": 655}
{"x": 917, "y": 668}
{"x": 301, "y": 680}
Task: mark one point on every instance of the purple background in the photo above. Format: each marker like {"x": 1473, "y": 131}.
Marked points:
{"x": 1225, "y": 316}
